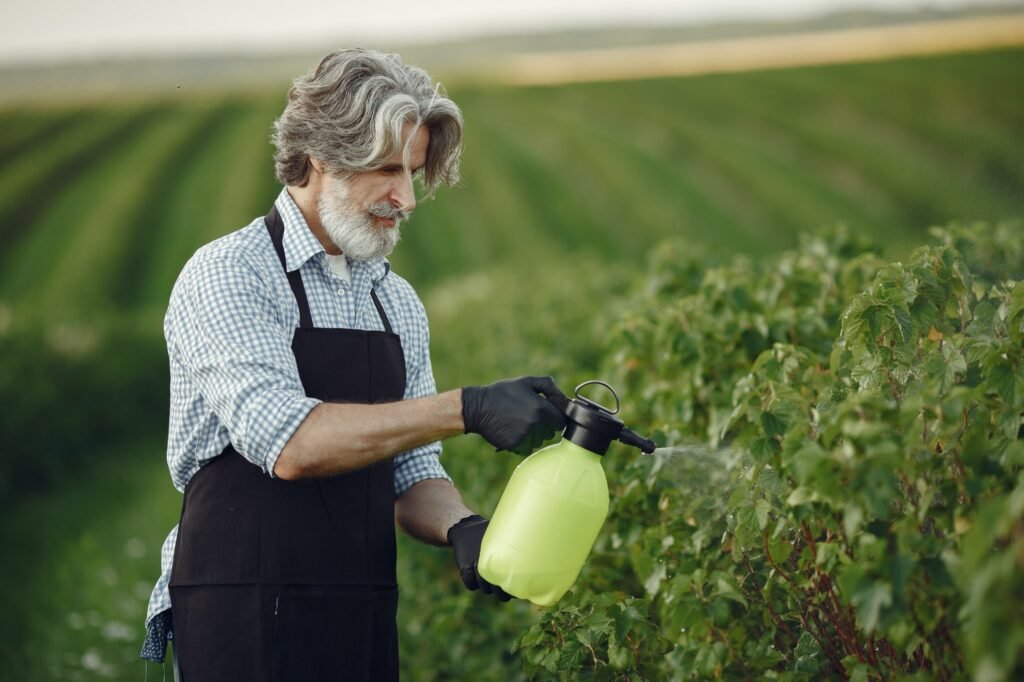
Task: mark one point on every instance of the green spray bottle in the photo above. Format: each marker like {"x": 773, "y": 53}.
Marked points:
{"x": 554, "y": 505}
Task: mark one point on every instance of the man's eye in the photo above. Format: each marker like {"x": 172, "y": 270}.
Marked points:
{"x": 398, "y": 170}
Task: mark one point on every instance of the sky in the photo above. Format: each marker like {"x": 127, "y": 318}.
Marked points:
{"x": 54, "y": 30}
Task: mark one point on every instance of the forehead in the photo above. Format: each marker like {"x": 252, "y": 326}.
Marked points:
{"x": 417, "y": 147}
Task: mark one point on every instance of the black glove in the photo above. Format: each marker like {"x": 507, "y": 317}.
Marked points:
{"x": 511, "y": 415}
{"x": 465, "y": 538}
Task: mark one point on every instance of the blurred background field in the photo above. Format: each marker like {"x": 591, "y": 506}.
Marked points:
{"x": 108, "y": 201}
{"x": 566, "y": 189}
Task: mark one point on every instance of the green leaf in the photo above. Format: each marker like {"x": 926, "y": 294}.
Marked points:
{"x": 1002, "y": 380}
{"x": 851, "y": 579}
{"x": 772, "y": 424}
{"x": 780, "y": 548}
{"x": 586, "y": 637}
{"x": 853, "y": 515}
{"x": 572, "y": 656}
{"x": 764, "y": 448}
{"x": 618, "y": 656}
{"x": 875, "y": 317}
{"x": 828, "y": 555}
{"x": 857, "y": 670}
{"x": 869, "y": 602}
{"x": 654, "y": 580}
{"x": 808, "y": 654}
{"x": 545, "y": 658}
{"x": 708, "y": 660}
{"x": 807, "y": 462}
{"x": 904, "y": 323}
{"x": 763, "y": 509}
{"x": 801, "y": 495}
{"x": 720, "y": 613}
{"x": 729, "y": 589}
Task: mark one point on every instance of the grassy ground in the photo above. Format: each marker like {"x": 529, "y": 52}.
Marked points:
{"x": 85, "y": 557}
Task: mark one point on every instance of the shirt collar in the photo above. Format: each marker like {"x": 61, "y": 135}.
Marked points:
{"x": 376, "y": 269}
{"x": 300, "y": 244}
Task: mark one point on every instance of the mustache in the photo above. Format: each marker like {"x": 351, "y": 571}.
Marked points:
{"x": 386, "y": 210}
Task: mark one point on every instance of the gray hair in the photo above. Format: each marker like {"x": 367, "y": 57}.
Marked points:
{"x": 350, "y": 113}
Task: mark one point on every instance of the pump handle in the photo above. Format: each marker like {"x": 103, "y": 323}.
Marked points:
{"x": 592, "y": 403}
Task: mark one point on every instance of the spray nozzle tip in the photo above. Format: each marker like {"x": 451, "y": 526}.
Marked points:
{"x": 631, "y": 438}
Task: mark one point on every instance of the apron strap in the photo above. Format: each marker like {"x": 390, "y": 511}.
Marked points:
{"x": 275, "y": 227}
{"x": 380, "y": 311}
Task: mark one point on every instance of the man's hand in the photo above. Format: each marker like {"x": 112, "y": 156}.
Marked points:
{"x": 465, "y": 538}
{"x": 511, "y": 415}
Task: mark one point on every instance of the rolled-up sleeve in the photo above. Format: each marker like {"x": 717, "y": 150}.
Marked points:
{"x": 423, "y": 462}
{"x": 224, "y": 330}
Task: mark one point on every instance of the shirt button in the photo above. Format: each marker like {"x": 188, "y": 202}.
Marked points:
{"x": 341, "y": 292}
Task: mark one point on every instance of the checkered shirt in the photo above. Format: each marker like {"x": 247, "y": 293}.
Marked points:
{"x": 229, "y": 328}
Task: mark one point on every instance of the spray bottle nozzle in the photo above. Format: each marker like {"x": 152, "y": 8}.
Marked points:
{"x": 631, "y": 438}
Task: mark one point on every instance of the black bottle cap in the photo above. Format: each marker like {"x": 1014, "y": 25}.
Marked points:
{"x": 593, "y": 426}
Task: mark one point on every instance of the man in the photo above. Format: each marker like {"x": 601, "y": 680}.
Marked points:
{"x": 304, "y": 418}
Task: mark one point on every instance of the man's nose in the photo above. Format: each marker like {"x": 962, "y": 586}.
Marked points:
{"x": 403, "y": 194}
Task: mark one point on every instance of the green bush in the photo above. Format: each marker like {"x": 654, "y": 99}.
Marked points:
{"x": 866, "y": 520}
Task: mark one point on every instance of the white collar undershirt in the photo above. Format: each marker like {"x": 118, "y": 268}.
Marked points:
{"x": 339, "y": 265}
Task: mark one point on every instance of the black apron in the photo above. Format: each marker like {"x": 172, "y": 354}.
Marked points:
{"x": 279, "y": 580}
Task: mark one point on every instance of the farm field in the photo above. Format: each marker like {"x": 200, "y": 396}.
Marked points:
{"x": 100, "y": 207}
{"x": 109, "y": 202}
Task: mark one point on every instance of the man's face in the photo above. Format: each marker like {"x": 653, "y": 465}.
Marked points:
{"x": 362, "y": 214}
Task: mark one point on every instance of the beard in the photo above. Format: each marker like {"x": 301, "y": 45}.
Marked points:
{"x": 352, "y": 228}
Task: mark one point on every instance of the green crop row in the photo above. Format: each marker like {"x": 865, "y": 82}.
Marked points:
{"x": 218, "y": 183}
{"x": 32, "y": 179}
{"x": 88, "y": 211}
{"x": 107, "y": 202}
{"x": 24, "y": 131}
